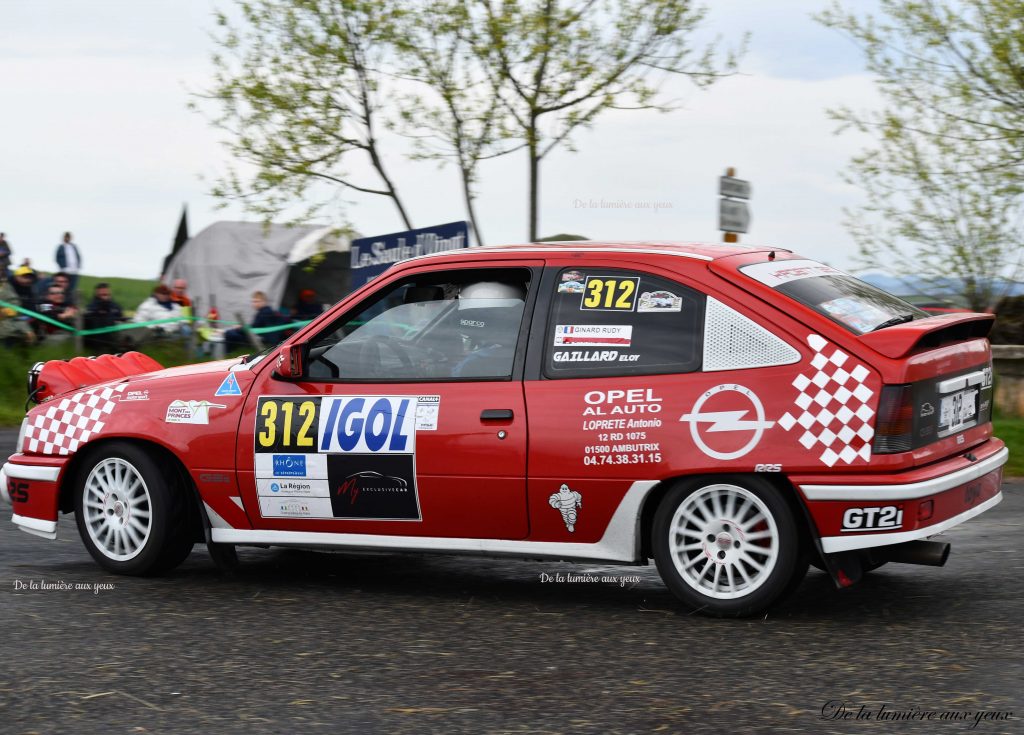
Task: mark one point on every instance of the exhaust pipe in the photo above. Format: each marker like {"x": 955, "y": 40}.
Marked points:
{"x": 926, "y": 553}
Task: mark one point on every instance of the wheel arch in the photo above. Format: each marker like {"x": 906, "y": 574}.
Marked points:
{"x": 165, "y": 455}
{"x": 780, "y": 482}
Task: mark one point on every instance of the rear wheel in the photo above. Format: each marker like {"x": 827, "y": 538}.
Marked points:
{"x": 727, "y": 546}
{"x": 132, "y": 518}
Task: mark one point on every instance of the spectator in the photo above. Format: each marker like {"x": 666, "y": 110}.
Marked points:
{"x": 69, "y": 259}
{"x": 265, "y": 317}
{"x": 24, "y": 284}
{"x": 159, "y": 306}
{"x": 5, "y": 256}
{"x": 307, "y": 307}
{"x": 62, "y": 281}
{"x": 179, "y": 293}
{"x": 101, "y": 312}
{"x": 55, "y": 306}
{"x": 15, "y": 329}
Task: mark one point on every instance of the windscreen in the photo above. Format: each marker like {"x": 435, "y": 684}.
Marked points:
{"x": 848, "y": 301}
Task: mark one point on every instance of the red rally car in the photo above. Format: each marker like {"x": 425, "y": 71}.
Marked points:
{"x": 734, "y": 413}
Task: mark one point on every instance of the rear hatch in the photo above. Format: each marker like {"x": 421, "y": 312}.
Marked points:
{"x": 937, "y": 370}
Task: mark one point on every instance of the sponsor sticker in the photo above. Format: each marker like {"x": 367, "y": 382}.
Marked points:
{"x": 593, "y": 335}
{"x": 654, "y": 301}
{"x": 190, "y": 412}
{"x": 781, "y": 272}
{"x": 309, "y": 466}
{"x": 340, "y": 457}
{"x": 428, "y": 408}
{"x": 572, "y": 276}
{"x": 572, "y": 282}
{"x": 727, "y": 421}
{"x": 229, "y": 387}
{"x": 135, "y": 395}
{"x": 282, "y": 487}
{"x": 566, "y": 501}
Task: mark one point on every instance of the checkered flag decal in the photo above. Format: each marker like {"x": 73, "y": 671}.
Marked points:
{"x": 833, "y": 401}
{"x": 66, "y": 425}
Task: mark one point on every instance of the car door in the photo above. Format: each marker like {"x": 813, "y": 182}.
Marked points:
{"x": 410, "y": 418}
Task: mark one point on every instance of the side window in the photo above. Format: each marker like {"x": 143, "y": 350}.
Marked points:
{"x": 617, "y": 322}
{"x": 446, "y": 325}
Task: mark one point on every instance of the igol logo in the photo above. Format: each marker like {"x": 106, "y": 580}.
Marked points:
{"x": 275, "y": 488}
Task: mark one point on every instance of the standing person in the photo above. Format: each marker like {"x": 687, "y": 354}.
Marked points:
{"x": 102, "y": 311}
{"x": 265, "y": 316}
{"x": 159, "y": 306}
{"x": 179, "y": 293}
{"x": 5, "y": 255}
{"x": 69, "y": 259}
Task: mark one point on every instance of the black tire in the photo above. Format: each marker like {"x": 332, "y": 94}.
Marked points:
{"x": 780, "y": 555}
{"x": 167, "y": 539}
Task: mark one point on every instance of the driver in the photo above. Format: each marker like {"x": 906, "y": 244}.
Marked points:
{"x": 490, "y": 314}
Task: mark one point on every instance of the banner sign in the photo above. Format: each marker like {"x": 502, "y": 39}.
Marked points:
{"x": 371, "y": 256}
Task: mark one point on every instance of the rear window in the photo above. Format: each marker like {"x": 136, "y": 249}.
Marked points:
{"x": 848, "y": 301}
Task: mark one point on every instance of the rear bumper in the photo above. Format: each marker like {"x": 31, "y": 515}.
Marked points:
{"x": 31, "y": 487}
{"x": 867, "y": 511}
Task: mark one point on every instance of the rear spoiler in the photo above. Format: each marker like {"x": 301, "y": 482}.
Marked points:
{"x": 926, "y": 334}
{"x": 54, "y": 377}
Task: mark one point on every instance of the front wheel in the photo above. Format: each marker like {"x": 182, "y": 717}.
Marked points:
{"x": 727, "y": 546}
{"x": 131, "y": 518}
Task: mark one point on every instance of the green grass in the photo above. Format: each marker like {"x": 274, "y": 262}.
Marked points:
{"x": 1011, "y": 431}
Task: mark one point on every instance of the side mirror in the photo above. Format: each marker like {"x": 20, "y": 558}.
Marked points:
{"x": 291, "y": 362}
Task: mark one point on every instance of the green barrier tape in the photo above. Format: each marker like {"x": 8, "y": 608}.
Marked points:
{"x": 86, "y": 332}
{"x": 131, "y": 325}
{"x": 36, "y": 315}
{"x": 293, "y": 325}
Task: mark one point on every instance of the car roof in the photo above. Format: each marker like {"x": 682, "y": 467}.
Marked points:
{"x": 693, "y": 250}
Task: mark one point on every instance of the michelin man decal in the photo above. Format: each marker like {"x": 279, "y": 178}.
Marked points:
{"x": 567, "y": 501}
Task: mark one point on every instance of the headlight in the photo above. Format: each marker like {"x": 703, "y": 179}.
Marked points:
{"x": 20, "y": 446}
{"x": 33, "y": 381}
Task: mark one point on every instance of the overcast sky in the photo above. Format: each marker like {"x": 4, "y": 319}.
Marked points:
{"x": 95, "y": 138}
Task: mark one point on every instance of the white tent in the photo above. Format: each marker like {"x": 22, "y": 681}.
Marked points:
{"x": 226, "y": 262}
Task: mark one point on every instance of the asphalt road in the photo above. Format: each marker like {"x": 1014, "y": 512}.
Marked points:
{"x": 332, "y": 643}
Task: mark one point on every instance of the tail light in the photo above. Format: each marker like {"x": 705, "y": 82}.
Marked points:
{"x": 894, "y": 431}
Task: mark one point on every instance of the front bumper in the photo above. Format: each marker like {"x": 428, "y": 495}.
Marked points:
{"x": 31, "y": 487}
{"x": 866, "y": 511}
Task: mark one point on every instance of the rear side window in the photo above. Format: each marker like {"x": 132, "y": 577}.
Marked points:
{"x": 618, "y": 322}
{"x": 848, "y": 301}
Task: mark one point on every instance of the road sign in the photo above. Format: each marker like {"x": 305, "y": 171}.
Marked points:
{"x": 735, "y": 188}
{"x": 371, "y": 256}
{"x": 733, "y": 215}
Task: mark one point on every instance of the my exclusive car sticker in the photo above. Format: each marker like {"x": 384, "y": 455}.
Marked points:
{"x": 339, "y": 457}
{"x": 71, "y": 422}
{"x": 566, "y": 501}
{"x": 833, "y": 403}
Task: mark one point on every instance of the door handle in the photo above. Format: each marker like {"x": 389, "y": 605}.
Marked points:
{"x": 496, "y": 414}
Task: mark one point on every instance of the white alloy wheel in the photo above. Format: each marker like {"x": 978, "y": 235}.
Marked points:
{"x": 723, "y": 541}
{"x": 118, "y": 509}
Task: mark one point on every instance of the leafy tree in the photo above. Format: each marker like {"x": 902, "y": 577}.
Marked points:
{"x": 455, "y": 114}
{"x": 558, "y": 65}
{"x": 299, "y": 89}
{"x": 944, "y": 177}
